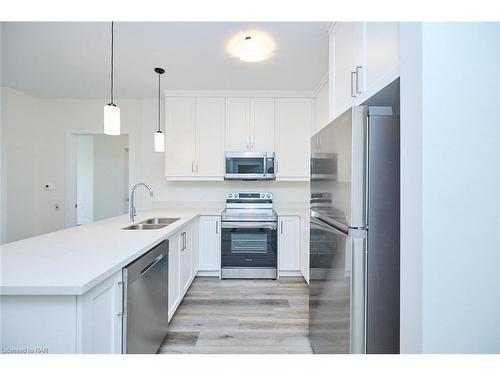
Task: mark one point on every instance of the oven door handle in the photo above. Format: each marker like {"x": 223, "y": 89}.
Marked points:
{"x": 273, "y": 225}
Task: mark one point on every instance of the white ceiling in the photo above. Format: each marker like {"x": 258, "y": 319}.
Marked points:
{"x": 72, "y": 59}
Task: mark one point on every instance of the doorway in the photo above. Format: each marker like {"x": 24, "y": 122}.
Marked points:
{"x": 102, "y": 176}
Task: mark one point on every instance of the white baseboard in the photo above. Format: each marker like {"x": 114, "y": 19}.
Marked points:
{"x": 290, "y": 274}
{"x": 208, "y": 273}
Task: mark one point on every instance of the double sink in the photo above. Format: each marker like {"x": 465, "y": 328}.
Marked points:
{"x": 153, "y": 223}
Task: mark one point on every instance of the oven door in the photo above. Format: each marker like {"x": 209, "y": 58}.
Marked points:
{"x": 249, "y": 245}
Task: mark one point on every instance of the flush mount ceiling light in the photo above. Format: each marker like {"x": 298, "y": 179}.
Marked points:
{"x": 159, "y": 136}
{"x": 111, "y": 111}
{"x": 251, "y": 46}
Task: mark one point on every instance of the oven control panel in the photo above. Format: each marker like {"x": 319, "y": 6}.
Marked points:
{"x": 249, "y": 195}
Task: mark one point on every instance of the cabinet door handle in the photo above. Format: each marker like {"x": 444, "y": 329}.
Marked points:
{"x": 353, "y": 95}
{"x": 281, "y": 227}
{"x": 183, "y": 235}
{"x": 252, "y": 145}
{"x": 357, "y": 79}
{"x": 192, "y": 166}
{"x": 120, "y": 285}
{"x": 197, "y": 166}
{"x": 216, "y": 227}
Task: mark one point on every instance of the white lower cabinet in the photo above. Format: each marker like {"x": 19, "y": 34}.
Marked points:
{"x": 99, "y": 317}
{"x": 182, "y": 267}
{"x": 209, "y": 245}
{"x": 186, "y": 259}
{"x": 174, "y": 291}
{"x": 288, "y": 245}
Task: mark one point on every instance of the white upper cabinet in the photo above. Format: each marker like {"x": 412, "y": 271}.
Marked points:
{"x": 181, "y": 137}
{"x": 237, "y": 124}
{"x": 195, "y": 138}
{"x": 262, "y": 124}
{"x": 200, "y": 129}
{"x": 382, "y": 55}
{"x": 250, "y": 124}
{"x": 293, "y": 124}
{"x": 364, "y": 58}
{"x": 210, "y": 114}
{"x": 346, "y": 49}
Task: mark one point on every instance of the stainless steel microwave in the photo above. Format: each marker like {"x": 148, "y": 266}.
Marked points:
{"x": 249, "y": 166}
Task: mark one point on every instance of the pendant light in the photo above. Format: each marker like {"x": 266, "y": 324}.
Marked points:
{"x": 159, "y": 136}
{"x": 111, "y": 111}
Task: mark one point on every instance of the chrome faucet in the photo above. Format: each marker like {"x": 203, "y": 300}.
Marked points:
{"x": 131, "y": 207}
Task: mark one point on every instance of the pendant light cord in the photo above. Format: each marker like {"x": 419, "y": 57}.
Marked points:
{"x": 159, "y": 109}
{"x": 112, "y": 61}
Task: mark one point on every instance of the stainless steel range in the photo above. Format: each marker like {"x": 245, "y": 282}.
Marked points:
{"x": 249, "y": 246}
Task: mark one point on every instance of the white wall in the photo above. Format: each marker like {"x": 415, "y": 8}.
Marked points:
{"x": 411, "y": 189}
{"x": 2, "y": 179}
{"x": 35, "y": 143}
{"x": 85, "y": 179}
{"x": 34, "y": 152}
{"x": 321, "y": 106}
{"x": 109, "y": 175}
{"x": 450, "y": 201}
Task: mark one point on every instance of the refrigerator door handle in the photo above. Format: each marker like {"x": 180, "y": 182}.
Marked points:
{"x": 358, "y": 239}
{"x": 353, "y": 95}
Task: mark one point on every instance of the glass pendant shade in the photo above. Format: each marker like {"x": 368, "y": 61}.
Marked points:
{"x": 159, "y": 142}
{"x": 111, "y": 119}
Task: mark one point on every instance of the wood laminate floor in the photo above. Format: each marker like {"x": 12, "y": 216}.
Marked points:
{"x": 241, "y": 316}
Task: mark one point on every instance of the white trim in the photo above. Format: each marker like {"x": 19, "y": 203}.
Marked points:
{"x": 331, "y": 26}
{"x": 321, "y": 84}
{"x": 194, "y": 178}
{"x": 297, "y": 178}
{"x": 239, "y": 94}
{"x": 331, "y": 76}
{"x": 70, "y": 170}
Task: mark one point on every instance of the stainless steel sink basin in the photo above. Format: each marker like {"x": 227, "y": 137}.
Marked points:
{"x": 160, "y": 220}
{"x": 145, "y": 226}
{"x": 153, "y": 223}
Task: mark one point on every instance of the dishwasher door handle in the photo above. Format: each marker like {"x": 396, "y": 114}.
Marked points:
{"x": 152, "y": 264}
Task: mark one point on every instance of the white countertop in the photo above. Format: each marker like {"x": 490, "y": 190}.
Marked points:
{"x": 73, "y": 260}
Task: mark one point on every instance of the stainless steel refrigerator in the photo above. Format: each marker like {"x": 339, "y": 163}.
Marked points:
{"x": 354, "y": 233}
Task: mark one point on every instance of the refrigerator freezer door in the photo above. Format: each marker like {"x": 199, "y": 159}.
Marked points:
{"x": 383, "y": 234}
{"x": 345, "y": 140}
{"x": 336, "y": 297}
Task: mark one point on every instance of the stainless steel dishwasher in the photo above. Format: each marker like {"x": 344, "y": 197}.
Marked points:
{"x": 145, "y": 316}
